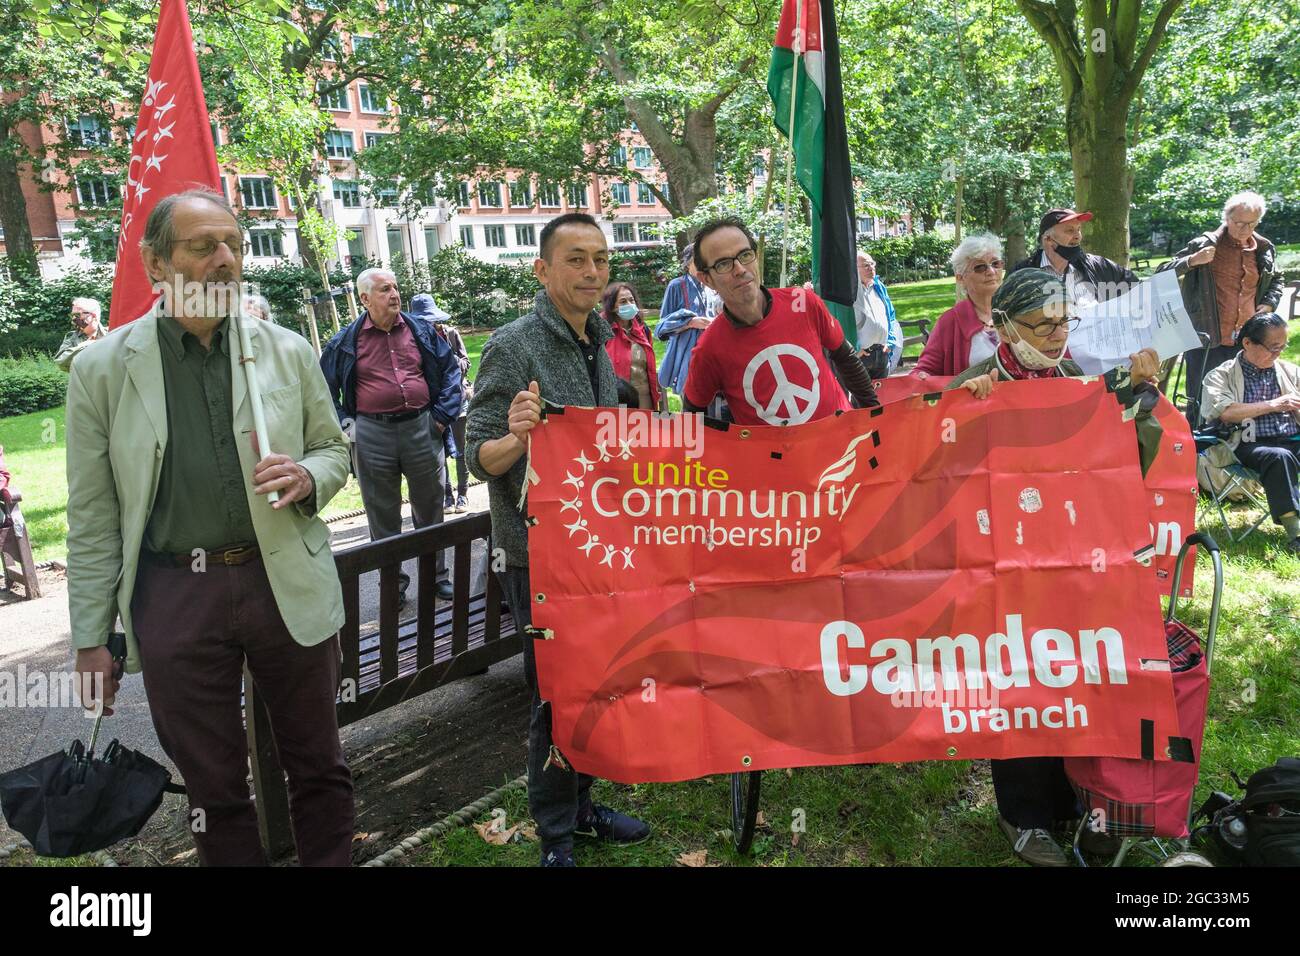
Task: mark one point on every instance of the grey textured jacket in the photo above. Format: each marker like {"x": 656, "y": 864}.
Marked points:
{"x": 537, "y": 347}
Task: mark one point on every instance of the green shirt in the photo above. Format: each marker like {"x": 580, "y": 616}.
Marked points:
{"x": 201, "y": 500}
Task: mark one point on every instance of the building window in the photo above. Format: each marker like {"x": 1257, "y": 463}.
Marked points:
{"x": 578, "y": 196}
{"x": 348, "y": 193}
{"x": 548, "y": 194}
{"x": 663, "y": 191}
{"x": 372, "y": 138}
{"x": 494, "y": 237}
{"x": 370, "y": 101}
{"x": 266, "y": 243}
{"x": 432, "y": 242}
{"x": 642, "y": 157}
{"x": 648, "y": 232}
{"x": 359, "y": 45}
{"x": 334, "y": 99}
{"x": 624, "y": 232}
{"x": 467, "y": 236}
{"x": 462, "y": 199}
{"x": 759, "y": 168}
{"x": 331, "y": 49}
{"x": 525, "y": 236}
{"x": 257, "y": 192}
{"x": 643, "y": 195}
{"x": 618, "y": 156}
{"x": 521, "y": 193}
{"x": 396, "y": 242}
{"x": 97, "y": 191}
{"x": 87, "y": 132}
{"x": 339, "y": 144}
{"x": 386, "y": 196}
{"x": 622, "y": 195}
{"x": 489, "y": 193}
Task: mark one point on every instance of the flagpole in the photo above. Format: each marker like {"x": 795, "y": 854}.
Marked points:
{"x": 249, "y": 363}
{"x": 789, "y": 159}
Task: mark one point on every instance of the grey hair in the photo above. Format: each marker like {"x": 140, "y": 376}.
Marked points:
{"x": 366, "y": 278}
{"x": 159, "y": 236}
{"x": 1250, "y": 201}
{"x": 975, "y": 246}
{"x": 90, "y": 305}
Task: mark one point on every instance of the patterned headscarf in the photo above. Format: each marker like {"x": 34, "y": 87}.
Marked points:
{"x": 1026, "y": 290}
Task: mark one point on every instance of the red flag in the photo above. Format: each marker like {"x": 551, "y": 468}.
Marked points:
{"x": 172, "y": 151}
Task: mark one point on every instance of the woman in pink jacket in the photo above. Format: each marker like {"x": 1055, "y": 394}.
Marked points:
{"x": 964, "y": 335}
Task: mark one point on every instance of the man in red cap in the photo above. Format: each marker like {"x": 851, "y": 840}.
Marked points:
{"x": 1090, "y": 278}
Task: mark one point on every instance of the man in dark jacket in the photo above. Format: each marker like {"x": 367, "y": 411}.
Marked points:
{"x": 1228, "y": 277}
{"x": 556, "y": 350}
{"x": 397, "y": 388}
{"x": 1089, "y": 278}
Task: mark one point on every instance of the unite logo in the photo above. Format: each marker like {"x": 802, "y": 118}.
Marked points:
{"x": 75, "y": 909}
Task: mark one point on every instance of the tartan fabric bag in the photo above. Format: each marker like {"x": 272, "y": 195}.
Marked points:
{"x": 1146, "y": 798}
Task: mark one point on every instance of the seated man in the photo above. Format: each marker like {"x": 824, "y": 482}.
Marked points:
{"x": 1260, "y": 392}
{"x": 766, "y": 355}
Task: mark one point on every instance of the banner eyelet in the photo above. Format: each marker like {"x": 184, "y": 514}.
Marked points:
{"x": 746, "y": 760}
{"x": 952, "y": 751}
{"x": 541, "y": 598}
{"x": 744, "y": 433}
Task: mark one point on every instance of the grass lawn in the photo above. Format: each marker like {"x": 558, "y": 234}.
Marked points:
{"x": 943, "y": 813}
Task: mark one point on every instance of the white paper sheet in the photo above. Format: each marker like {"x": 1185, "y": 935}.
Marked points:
{"x": 1150, "y": 315}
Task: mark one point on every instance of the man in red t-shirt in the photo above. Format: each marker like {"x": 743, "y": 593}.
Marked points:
{"x": 768, "y": 354}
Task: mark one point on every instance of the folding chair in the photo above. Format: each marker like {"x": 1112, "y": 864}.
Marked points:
{"x": 1213, "y": 447}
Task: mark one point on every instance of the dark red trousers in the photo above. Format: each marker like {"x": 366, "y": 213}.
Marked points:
{"x": 195, "y": 632}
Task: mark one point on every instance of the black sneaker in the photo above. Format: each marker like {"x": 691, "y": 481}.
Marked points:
{"x": 558, "y": 857}
{"x": 462, "y": 503}
{"x": 611, "y": 826}
{"x": 448, "y": 502}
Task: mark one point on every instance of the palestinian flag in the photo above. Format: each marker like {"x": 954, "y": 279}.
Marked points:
{"x": 820, "y": 143}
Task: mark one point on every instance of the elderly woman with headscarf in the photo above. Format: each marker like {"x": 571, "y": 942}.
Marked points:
{"x": 684, "y": 314}
{"x": 964, "y": 335}
{"x": 1032, "y": 312}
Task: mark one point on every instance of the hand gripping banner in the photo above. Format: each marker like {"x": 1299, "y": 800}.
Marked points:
{"x": 940, "y": 578}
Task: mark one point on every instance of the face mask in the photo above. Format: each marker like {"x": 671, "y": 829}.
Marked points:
{"x": 1071, "y": 254}
{"x": 627, "y": 311}
{"x": 1026, "y": 354}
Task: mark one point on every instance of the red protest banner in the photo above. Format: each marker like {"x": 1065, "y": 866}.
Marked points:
{"x": 941, "y": 578}
{"x": 171, "y": 151}
{"x": 1172, "y": 489}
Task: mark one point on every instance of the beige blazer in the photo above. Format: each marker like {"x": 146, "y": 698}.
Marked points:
{"x": 116, "y": 435}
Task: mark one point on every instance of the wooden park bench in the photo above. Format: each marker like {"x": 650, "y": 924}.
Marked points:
{"x": 16, "y": 562}
{"x": 402, "y": 659}
{"x": 919, "y": 337}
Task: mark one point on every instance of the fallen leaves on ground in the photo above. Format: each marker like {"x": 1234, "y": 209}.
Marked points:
{"x": 694, "y": 858}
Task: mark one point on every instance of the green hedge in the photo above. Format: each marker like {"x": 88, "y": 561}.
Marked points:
{"x": 30, "y": 384}
{"x": 910, "y": 258}
{"x": 34, "y": 315}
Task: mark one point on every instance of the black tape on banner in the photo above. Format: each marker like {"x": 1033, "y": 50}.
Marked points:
{"x": 776, "y": 455}
{"x": 932, "y": 396}
{"x": 716, "y": 423}
{"x": 877, "y": 410}
{"x": 875, "y": 439}
{"x": 549, "y": 408}
{"x": 874, "y": 463}
{"x": 1180, "y": 749}
{"x": 1148, "y": 740}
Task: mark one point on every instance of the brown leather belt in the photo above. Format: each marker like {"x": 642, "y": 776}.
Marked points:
{"x": 241, "y": 554}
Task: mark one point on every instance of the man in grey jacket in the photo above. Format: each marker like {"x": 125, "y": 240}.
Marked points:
{"x": 557, "y": 351}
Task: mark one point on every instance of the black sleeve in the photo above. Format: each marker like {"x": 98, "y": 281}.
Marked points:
{"x": 854, "y": 376}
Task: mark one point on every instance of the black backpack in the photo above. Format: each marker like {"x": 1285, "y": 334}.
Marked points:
{"x": 1263, "y": 827}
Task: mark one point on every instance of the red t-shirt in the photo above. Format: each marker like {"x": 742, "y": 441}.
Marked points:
{"x": 775, "y": 372}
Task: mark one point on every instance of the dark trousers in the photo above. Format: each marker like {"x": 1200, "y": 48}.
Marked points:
{"x": 462, "y": 473}
{"x": 1277, "y": 460}
{"x": 386, "y": 451}
{"x": 1197, "y": 363}
{"x": 196, "y": 631}
{"x": 1033, "y": 792}
{"x": 554, "y": 794}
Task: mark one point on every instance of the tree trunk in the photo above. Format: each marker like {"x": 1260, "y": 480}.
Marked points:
{"x": 957, "y": 205}
{"x": 20, "y": 250}
{"x": 1103, "y": 182}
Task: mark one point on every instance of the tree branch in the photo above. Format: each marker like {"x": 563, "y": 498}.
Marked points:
{"x": 1154, "y": 39}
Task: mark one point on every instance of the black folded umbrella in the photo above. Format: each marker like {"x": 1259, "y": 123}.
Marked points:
{"x": 73, "y": 802}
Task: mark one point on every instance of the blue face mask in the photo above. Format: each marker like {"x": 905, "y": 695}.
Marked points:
{"x": 627, "y": 311}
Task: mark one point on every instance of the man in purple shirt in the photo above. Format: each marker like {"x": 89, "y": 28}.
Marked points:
{"x": 397, "y": 389}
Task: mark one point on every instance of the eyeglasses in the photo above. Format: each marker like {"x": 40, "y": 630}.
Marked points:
{"x": 1045, "y": 329}
{"x": 1249, "y": 224}
{"x": 724, "y": 266}
{"x": 205, "y": 247}
{"x": 984, "y": 268}
{"x": 1268, "y": 348}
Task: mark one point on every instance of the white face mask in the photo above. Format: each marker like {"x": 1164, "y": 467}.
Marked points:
{"x": 1026, "y": 354}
